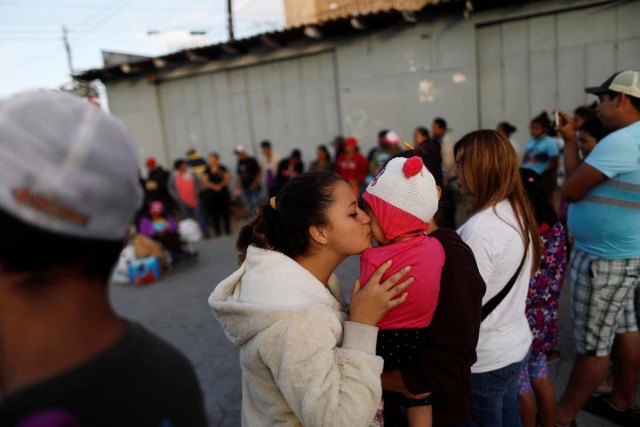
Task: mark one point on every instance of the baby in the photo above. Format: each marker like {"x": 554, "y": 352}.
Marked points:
{"x": 401, "y": 200}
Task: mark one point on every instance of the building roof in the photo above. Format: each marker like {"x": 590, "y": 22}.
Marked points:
{"x": 313, "y": 12}
{"x": 337, "y": 27}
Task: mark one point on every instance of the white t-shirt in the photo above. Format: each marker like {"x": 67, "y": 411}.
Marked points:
{"x": 496, "y": 241}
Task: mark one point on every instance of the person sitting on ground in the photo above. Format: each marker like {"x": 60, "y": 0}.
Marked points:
{"x": 163, "y": 228}
{"x": 401, "y": 201}
{"x": 66, "y": 357}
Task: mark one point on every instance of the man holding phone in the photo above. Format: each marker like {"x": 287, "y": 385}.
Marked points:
{"x": 604, "y": 219}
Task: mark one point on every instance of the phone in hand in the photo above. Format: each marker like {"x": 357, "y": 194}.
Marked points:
{"x": 556, "y": 116}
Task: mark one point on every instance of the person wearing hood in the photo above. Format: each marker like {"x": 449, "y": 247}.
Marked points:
{"x": 304, "y": 360}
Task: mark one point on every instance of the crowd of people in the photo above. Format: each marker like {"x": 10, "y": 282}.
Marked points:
{"x": 203, "y": 190}
{"x": 444, "y": 327}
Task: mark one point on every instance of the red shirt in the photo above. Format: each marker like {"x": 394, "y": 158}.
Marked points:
{"x": 426, "y": 257}
{"x": 187, "y": 189}
{"x": 355, "y": 167}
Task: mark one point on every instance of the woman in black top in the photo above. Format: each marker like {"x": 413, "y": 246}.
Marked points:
{"x": 216, "y": 197}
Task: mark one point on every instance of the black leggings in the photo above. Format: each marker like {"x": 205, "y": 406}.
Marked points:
{"x": 398, "y": 347}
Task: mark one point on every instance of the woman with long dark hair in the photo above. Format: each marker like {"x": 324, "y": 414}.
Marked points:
{"x": 304, "y": 360}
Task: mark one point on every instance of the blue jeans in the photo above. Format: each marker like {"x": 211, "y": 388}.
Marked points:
{"x": 252, "y": 198}
{"x": 495, "y": 400}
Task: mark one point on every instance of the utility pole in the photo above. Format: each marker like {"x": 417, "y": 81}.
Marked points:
{"x": 68, "y": 49}
{"x": 230, "y": 19}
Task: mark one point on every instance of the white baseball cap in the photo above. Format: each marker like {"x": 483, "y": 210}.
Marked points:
{"x": 66, "y": 166}
{"x": 392, "y": 138}
{"x": 627, "y": 82}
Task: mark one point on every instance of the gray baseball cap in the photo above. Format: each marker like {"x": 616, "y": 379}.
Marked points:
{"x": 66, "y": 166}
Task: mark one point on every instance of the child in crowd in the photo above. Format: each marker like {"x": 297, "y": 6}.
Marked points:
{"x": 583, "y": 113}
{"x": 541, "y": 153}
{"x": 542, "y": 306}
{"x": 589, "y": 133}
{"x": 402, "y": 200}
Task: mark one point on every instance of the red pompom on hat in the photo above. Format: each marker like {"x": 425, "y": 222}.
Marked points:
{"x": 403, "y": 197}
{"x": 412, "y": 166}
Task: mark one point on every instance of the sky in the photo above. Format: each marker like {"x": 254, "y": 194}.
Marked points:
{"x": 31, "y": 33}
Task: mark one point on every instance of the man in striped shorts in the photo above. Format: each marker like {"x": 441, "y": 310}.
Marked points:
{"x": 604, "y": 220}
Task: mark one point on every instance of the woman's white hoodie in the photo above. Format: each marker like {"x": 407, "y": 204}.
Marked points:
{"x": 302, "y": 362}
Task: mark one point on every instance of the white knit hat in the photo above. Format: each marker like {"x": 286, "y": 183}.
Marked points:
{"x": 66, "y": 166}
{"x": 403, "y": 197}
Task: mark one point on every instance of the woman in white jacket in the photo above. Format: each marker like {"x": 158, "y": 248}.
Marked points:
{"x": 304, "y": 360}
{"x": 503, "y": 235}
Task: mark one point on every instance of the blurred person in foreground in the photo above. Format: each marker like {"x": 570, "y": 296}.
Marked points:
{"x": 604, "y": 220}
{"x": 68, "y": 193}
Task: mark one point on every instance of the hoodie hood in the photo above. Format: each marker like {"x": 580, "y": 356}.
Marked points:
{"x": 268, "y": 287}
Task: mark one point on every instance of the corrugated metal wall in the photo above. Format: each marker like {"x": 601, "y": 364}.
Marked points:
{"x": 502, "y": 64}
{"x": 292, "y": 103}
{"x": 539, "y": 63}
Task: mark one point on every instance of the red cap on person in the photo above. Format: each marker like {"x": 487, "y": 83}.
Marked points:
{"x": 350, "y": 142}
